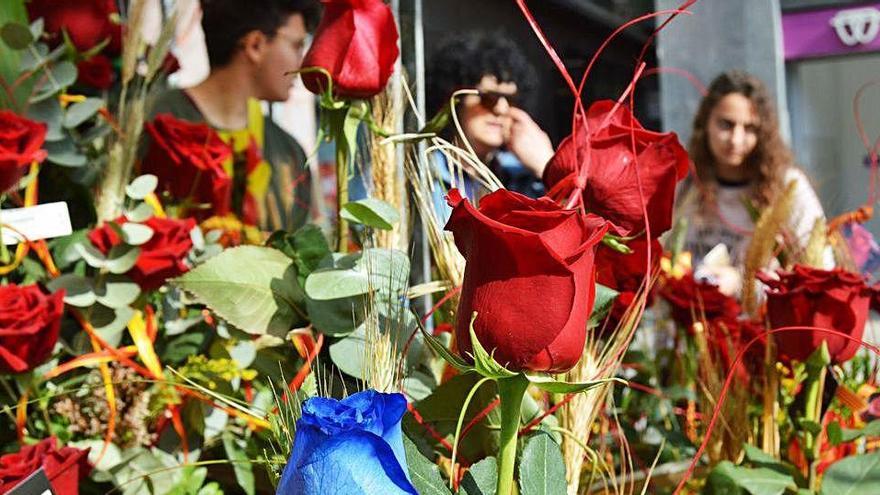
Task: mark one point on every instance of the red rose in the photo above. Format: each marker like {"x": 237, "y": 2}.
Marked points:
{"x": 29, "y": 325}
{"x": 625, "y": 273}
{"x": 188, "y": 160}
{"x": 96, "y": 72}
{"x": 64, "y": 467}
{"x": 356, "y": 42}
{"x": 21, "y": 143}
{"x": 529, "y": 276}
{"x": 611, "y": 189}
{"x": 832, "y": 299}
{"x": 87, "y": 22}
{"x": 161, "y": 258}
{"x": 693, "y": 300}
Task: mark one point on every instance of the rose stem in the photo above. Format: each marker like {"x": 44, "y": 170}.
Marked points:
{"x": 342, "y": 157}
{"x": 511, "y": 390}
{"x": 816, "y": 369}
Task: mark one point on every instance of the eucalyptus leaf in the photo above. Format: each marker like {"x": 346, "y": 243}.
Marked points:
{"x": 541, "y": 467}
{"x": 388, "y": 270}
{"x": 117, "y": 291}
{"x": 16, "y": 36}
{"x": 90, "y": 253}
{"x": 65, "y": 153}
{"x": 78, "y": 290}
{"x": 244, "y": 473}
{"x": 59, "y": 77}
{"x": 109, "y": 323}
{"x": 37, "y": 27}
{"x": 136, "y": 234}
{"x": 858, "y": 474}
{"x": 335, "y": 283}
{"x": 141, "y": 213}
{"x": 142, "y": 186}
{"x": 727, "y": 478}
{"x": 371, "y": 212}
{"x": 122, "y": 258}
{"x": 81, "y": 111}
{"x": 254, "y": 288}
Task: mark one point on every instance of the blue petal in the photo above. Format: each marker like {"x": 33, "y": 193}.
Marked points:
{"x": 353, "y": 463}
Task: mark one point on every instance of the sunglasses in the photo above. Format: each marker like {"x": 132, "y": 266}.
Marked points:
{"x": 489, "y": 99}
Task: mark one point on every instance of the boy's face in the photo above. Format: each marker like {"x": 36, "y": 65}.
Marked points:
{"x": 281, "y": 54}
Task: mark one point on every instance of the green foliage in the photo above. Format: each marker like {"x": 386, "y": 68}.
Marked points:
{"x": 481, "y": 478}
{"x": 541, "y": 467}
{"x": 727, "y": 478}
{"x": 424, "y": 474}
{"x": 853, "y": 475}
{"x": 371, "y": 212}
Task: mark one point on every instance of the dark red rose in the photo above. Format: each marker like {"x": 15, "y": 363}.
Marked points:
{"x": 611, "y": 188}
{"x": 693, "y": 300}
{"x": 64, "y": 467}
{"x": 188, "y": 160}
{"x": 96, "y": 72}
{"x": 529, "y": 276}
{"x": 356, "y": 42}
{"x": 21, "y": 143}
{"x": 161, "y": 258}
{"x": 625, "y": 273}
{"x": 87, "y": 22}
{"x": 29, "y": 325}
{"x": 831, "y": 299}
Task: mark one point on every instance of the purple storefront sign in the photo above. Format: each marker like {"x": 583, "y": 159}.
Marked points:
{"x": 819, "y": 33}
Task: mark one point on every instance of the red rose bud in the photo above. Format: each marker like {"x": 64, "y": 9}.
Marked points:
{"x": 530, "y": 276}
{"x": 29, "y": 324}
{"x": 830, "y": 299}
{"x": 21, "y": 143}
{"x": 65, "y": 467}
{"x": 612, "y": 188}
{"x": 96, "y": 72}
{"x": 188, "y": 160}
{"x": 87, "y": 22}
{"x": 356, "y": 42}
{"x": 161, "y": 258}
{"x": 625, "y": 273}
{"x": 693, "y": 301}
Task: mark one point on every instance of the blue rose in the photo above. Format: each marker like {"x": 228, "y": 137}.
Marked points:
{"x": 353, "y": 446}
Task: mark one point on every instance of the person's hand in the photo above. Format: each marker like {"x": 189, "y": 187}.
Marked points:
{"x": 528, "y": 142}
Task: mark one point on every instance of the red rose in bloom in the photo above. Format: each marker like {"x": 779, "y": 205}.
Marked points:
{"x": 612, "y": 189}
{"x": 356, "y": 42}
{"x": 87, "y": 22}
{"x": 161, "y": 257}
{"x": 530, "y": 277}
{"x": 64, "y": 467}
{"x": 188, "y": 160}
{"x": 29, "y": 325}
{"x": 626, "y": 272}
{"x": 21, "y": 143}
{"x": 832, "y": 299}
{"x": 95, "y": 72}
{"x": 690, "y": 298}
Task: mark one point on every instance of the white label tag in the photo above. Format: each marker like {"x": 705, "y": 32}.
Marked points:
{"x": 35, "y": 222}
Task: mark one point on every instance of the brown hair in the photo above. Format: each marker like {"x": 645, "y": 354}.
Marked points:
{"x": 769, "y": 160}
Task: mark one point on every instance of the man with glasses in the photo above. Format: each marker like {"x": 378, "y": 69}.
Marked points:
{"x": 502, "y": 134}
{"x": 252, "y": 47}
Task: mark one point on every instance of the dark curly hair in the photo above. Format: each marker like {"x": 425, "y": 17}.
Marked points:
{"x": 769, "y": 160}
{"x": 226, "y": 22}
{"x": 460, "y": 61}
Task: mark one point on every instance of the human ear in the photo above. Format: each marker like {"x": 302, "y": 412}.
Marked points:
{"x": 254, "y": 46}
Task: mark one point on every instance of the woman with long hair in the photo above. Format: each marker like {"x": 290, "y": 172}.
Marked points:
{"x": 741, "y": 167}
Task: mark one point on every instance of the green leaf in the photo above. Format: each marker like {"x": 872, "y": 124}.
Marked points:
{"x": 254, "y": 288}
{"x": 424, "y": 474}
{"x": 307, "y": 247}
{"x": 550, "y": 384}
{"x": 371, "y": 212}
{"x": 856, "y": 475}
{"x": 65, "y": 153}
{"x": 756, "y": 455}
{"x": 335, "y": 283}
{"x": 117, "y": 292}
{"x": 140, "y": 213}
{"x": 90, "y": 253}
{"x": 122, "y": 258}
{"x": 605, "y": 297}
{"x": 141, "y": 186}
{"x": 336, "y": 317}
{"x": 810, "y": 426}
{"x": 484, "y": 363}
{"x": 79, "y": 291}
{"x": 80, "y": 112}
{"x": 136, "y": 234}
{"x": 50, "y": 113}
{"x": 244, "y": 472}
{"x": 16, "y": 36}
{"x": 726, "y": 478}
{"x": 441, "y": 350}
{"x": 481, "y": 478}
{"x": 388, "y": 270}
{"x": 838, "y": 435}
{"x": 541, "y": 468}
{"x": 60, "y": 76}
{"x": 36, "y": 28}
{"x": 110, "y": 322}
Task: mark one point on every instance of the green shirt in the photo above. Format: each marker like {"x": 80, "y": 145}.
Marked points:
{"x": 286, "y": 198}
